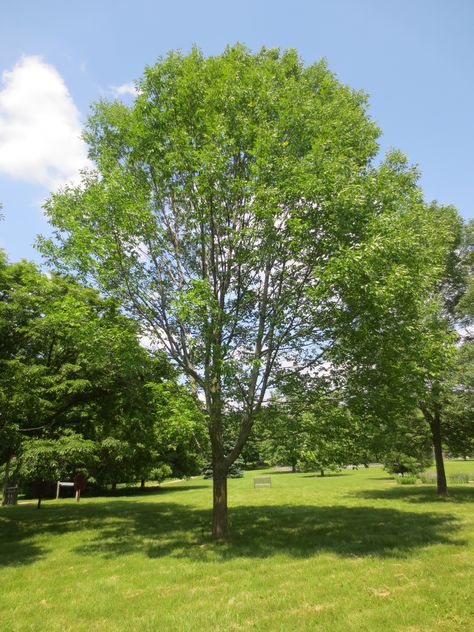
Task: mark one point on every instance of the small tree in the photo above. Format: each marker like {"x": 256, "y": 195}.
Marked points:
{"x": 45, "y": 461}
{"x": 407, "y": 446}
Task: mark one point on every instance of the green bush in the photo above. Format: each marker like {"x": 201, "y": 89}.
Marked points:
{"x": 161, "y": 472}
{"x": 460, "y": 478}
{"x": 406, "y": 480}
{"x": 428, "y": 478}
{"x": 397, "y": 462}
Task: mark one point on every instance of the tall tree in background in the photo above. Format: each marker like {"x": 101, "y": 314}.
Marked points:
{"x": 443, "y": 350}
{"x": 226, "y": 205}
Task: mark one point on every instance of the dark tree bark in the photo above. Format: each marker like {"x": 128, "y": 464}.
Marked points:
{"x": 142, "y": 484}
{"x": 434, "y": 421}
{"x": 322, "y": 472}
{"x": 6, "y": 481}
{"x": 220, "y": 523}
{"x": 435, "y": 426}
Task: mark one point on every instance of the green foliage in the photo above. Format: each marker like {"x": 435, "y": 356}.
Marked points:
{"x": 179, "y": 428}
{"x": 160, "y": 472}
{"x": 428, "y": 478}
{"x": 66, "y": 355}
{"x": 458, "y": 423}
{"x": 71, "y": 362}
{"x": 55, "y": 459}
{"x": 407, "y": 447}
{"x": 235, "y": 471}
{"x": 406, "y": 479}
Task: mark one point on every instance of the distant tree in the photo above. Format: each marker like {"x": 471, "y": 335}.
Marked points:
{"x": 312, "y": 433}
{"x": 397, "y": 365}
{"x": 408, "y": 447}
{"x": 179, "y": 428}
{"x": 459, "y": 408}
{"x": 280, "y": 434}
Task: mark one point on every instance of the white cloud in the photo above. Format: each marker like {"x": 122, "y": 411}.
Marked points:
{"x": 39, "y": 126}
{"x": 125, "y": 88}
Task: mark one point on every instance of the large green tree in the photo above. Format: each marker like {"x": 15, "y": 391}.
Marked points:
{"x": 71, "y": 360}
{"x": 225, "y": 206}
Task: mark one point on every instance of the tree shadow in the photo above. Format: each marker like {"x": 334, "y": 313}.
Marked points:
{"x": 121, "y": 492}
{"x": 159, "y": 529}
{"x": 326, "y": 475}
{"x": 420, "y": 494}
{"x": 379, "y": 478}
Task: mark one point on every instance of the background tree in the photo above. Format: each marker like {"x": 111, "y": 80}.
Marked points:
{"x": 226, "y": 204}
{"x": 407, "y": 446}
{"x": 70, "y": 360}
{"x": 46, "y": 461}
{"x": 312, "y": 431}
{"x": 395, "y": 342}
{"x": 441, "y": 345}
{"x": 281, "y": 434}
{"x": 459, "y": 415}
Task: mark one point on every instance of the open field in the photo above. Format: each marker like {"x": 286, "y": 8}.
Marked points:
{"x": 352, "y": 551}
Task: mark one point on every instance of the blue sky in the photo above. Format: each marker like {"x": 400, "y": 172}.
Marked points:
{"x": 415, "y": 59}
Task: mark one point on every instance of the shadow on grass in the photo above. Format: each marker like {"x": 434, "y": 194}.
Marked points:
{"x": 326, "y": 475}
{"x": 420, "y": 494}
{"x": 121, "y": 492}
{"x": 159, "y": 529}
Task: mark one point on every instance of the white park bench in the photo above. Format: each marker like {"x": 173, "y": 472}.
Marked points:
{"x": 262, "y": 481}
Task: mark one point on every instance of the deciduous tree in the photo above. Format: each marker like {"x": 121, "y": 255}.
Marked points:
{"x": 226, "y": 207}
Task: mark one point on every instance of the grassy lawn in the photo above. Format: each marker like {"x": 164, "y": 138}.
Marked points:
{"x": 353, "y": 551}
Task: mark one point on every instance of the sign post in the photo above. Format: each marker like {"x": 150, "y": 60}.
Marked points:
{"x": 80, "y": 482}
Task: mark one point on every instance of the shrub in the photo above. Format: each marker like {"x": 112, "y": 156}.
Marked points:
{"x": 460, "y": 478}
{"x": 428, "y": 478}
{"x": 406, "y": 480}
{"x": 397, "y": 462}
{"x": 160, "y": 473}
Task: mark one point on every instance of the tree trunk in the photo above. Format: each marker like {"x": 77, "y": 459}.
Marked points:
{"x": 38, "y": 506}
{"x": 293, "y": 467}
{"x": 322, "y": 472}
{"x": 220, "y": 524}
{"x": 114, "y": 487}
{"x": 6, "y": 481}
{"x": 435, "y": 425}
{"x": 142, "y": 484}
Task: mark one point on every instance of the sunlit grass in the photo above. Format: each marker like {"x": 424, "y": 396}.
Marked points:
{"x": 353, "y": 551}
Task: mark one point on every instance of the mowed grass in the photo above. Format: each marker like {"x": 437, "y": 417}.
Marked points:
{"x": 353, "y": 551}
